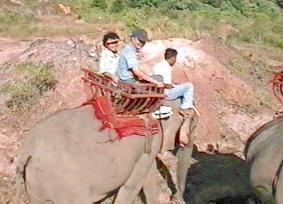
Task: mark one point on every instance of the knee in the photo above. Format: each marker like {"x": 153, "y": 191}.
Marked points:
{"x": 189, "y": 86}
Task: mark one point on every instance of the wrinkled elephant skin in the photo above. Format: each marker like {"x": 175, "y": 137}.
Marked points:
{"x": 264, "y": 152}
{"x": 67, "y": 160}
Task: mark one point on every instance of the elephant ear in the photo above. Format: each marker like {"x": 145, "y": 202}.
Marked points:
{"x": 186, "y": 130}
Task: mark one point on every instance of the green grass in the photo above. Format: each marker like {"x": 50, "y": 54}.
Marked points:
{"x": 239, "y": 67}
{"x": 257, "y": 21}
{"x": 36, "y": 80}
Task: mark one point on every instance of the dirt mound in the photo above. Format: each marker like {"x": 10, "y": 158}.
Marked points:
{"x": 10, "y": 48}
{"x": 231, "y": 108}
{"x": 67, "y": 57}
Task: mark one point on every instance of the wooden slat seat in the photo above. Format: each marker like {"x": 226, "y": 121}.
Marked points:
{"x": 128, "y": 98}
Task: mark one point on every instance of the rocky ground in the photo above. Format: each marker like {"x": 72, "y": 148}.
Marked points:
{"x": 232, "y": 106}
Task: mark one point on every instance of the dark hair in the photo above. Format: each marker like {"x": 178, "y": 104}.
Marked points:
{"x": 110, "y": 35}
{"x": 169, "y": 53}
{"x": 141, "y": 35}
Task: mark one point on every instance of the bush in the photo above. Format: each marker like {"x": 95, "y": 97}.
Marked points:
{"x": 280, "y": 3}
{"x": 21, "y": 96}
{"x": 133, "y": 18}
{"x": 37, "y": 79}
{"x": 238, "y": 5}
{"x": 214, "y": 3}
{"x": 39, "y": 75}
{"x": 143, "y": 3}
{"x": 100, "y": 4}
{"x": 9, "y": 16}
{"x": 117, "y": 6}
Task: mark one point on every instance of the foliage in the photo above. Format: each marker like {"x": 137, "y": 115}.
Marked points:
{"x": 100, "y": 4}
{"x": 239, "y": 67}
{"x": 25, "y": 93}
{"x": 280, "y": 3}
{"x": 41, "y": 76}
{"x": 12, "y": 16}
{"x": 117, "y": 6}
{"x": 142, "y": 3}
{"x": 214, "y": 3}
{"x": 133, "y": 19}
{"x": 242, "y": 6}
{"x": 256, "y": 21}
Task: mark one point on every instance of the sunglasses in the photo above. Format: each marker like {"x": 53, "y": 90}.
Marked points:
{"x": 112, "y": 43}
{"x": 141, "y": 42}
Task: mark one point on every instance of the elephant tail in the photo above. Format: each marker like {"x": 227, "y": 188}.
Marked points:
{"x": 276, "y": 179}
{"x": 20, "y": 176}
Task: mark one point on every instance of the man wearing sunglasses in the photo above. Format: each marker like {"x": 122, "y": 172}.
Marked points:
{"x": 128, "y": 66}
{"x": 109, "y": 59}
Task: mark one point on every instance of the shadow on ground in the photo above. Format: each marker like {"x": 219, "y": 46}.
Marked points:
{"x": 218, "y": 179}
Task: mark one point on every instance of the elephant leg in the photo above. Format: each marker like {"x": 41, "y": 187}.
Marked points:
{"x": 133, "y": 185}
{"x": 151, "y": 185}
{"x": 261, "y": 179}
{"x": 184, "y": 154}
{"x": 184, "y": 162}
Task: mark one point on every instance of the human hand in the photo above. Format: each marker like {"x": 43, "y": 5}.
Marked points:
{"x": 168, "y": 86}
{"x": 159, "y": 84}
{"x": 115, "y": 79}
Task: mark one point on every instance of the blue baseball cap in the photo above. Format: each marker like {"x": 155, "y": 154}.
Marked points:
{"x": 140, "y": 34}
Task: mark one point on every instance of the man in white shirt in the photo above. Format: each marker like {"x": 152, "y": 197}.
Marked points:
{"x": 109, "y": 59}
{"x": 184, "y": 91}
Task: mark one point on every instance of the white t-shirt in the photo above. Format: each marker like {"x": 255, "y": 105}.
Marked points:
{"x": 165, "y": 70}
{"x": 108, "y": 62}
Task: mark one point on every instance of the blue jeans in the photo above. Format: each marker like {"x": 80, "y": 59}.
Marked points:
{"x": 183, "y": 91}
{"x": 130, "y": 80}
{"x": 155, "y": 77}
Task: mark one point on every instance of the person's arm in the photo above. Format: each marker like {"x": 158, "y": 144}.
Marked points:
{"x": 133, "y": 65}
{"x": 145, "y": 77}
{"x": 168, "y": 86}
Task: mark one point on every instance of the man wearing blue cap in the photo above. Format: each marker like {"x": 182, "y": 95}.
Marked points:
{"x": 128, "y": 66}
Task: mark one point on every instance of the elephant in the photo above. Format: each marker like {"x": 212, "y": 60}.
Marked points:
{"x": 264, "y": 153}
{"x": 65, "y": 159}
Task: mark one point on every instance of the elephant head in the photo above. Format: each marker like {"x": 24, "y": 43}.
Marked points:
{"x": 179, "y": 132}
{"x": 264, "y": 153}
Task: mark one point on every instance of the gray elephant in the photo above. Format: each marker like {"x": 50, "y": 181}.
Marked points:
{"x": 65, "y": 159}
{"x": 264, "y": 152}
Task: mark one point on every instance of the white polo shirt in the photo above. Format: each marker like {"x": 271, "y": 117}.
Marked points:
{"x": 165, "y": 70}
{"x": 108, "y": 62}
